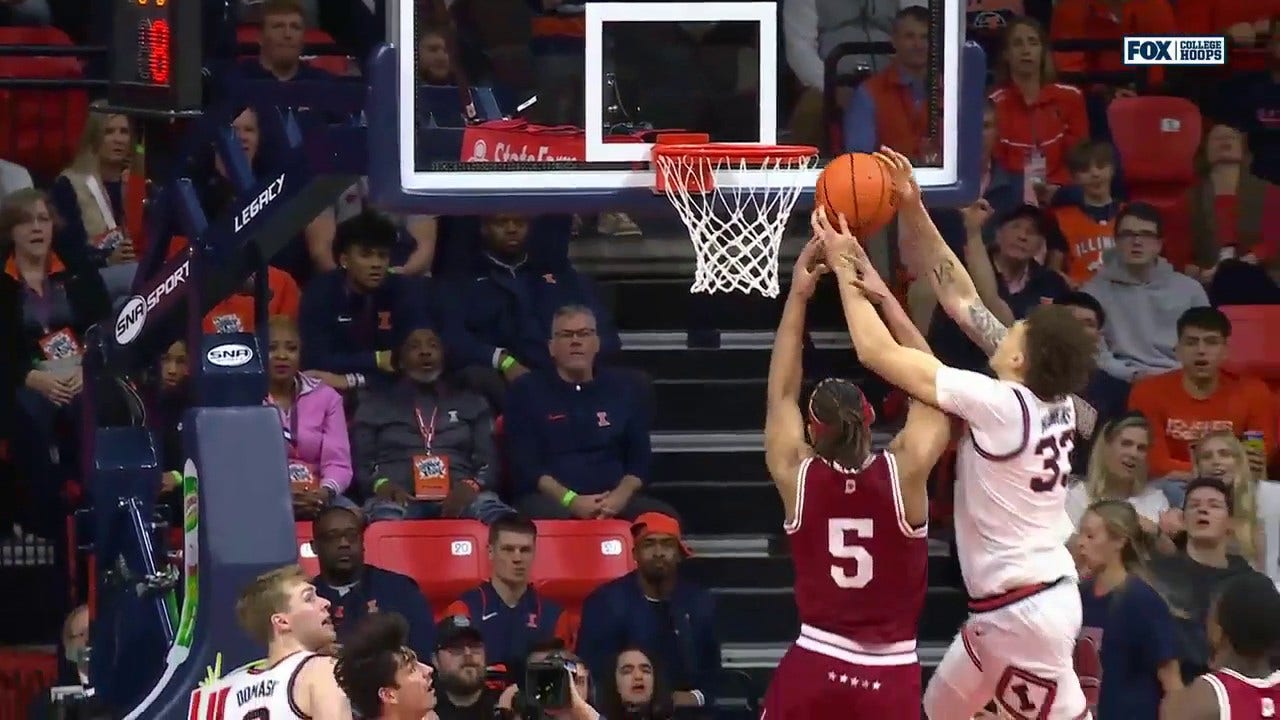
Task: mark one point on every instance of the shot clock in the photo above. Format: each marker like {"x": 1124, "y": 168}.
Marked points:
{"x": 157, "y": 56}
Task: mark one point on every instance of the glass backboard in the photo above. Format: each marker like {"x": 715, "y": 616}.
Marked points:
{"x": 569, "y": 125}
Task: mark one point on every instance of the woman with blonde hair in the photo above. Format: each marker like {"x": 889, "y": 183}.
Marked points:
{"x": 90, "y": 197}
{"x": 1127, "y": 655}
{"x": 1255, "y": 521}
{"x": 1118, "y": 471}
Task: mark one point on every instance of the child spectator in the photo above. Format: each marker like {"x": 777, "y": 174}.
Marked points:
{"x": 1038, "y": 120}
{"x": 1088, "y": 226}
{"x": 1185, "y": 404}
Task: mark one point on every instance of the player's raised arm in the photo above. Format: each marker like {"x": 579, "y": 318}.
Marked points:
{"x": 910, "y": 369}
{"x": 927, "y": 432}
{"x": 784, "y": 443}
{"x": 951, "y": 283}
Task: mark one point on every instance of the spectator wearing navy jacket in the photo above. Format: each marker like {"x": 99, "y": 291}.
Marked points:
{"x": 349, "y": 318}
{"x": 355, "y": 589}
{"x": 498, "y": 315}
{"x": 578, "y": 435}
{"x": 655, "y": 610}
{"x": 510, "y": 615}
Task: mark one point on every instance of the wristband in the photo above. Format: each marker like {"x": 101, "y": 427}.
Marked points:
{"x": 568, "y": 498}
{"x": 379, "y": 483}
{"x": 506, "y": 363}
{"x": 383, "y": 360}
{"x": 177, "y": 477}
{"x": 472, "y": 484}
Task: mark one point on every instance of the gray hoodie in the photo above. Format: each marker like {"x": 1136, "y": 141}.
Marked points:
{"x": 385, "y": 434}
{"x": 1142, "y": 317}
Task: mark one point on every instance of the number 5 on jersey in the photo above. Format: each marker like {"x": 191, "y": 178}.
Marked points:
{"x": 840, "y": 532}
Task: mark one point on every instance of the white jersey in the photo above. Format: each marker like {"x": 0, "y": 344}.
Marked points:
{"x": 254, "y": 692}
{"x": 1011, "y": 483}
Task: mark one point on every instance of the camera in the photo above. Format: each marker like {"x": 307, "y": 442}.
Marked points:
{"x": 547, "y": 683}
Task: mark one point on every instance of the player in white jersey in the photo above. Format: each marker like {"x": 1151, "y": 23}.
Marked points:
{"x": 1011, "y": 522}
{"x": 381, "y": 674}
{"x": 281, "y": 610}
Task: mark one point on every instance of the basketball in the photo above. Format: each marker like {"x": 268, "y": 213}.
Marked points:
{"x": 858, "y": 185}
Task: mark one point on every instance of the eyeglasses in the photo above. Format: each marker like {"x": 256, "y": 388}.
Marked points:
{"x": 583, "y": 334}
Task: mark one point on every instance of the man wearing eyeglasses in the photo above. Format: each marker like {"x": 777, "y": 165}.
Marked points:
{"x": 1143, "y": 296}
{"x": 578, "y": 434}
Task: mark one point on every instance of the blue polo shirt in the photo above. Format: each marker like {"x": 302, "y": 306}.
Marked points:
{"x": 508, "y": 630}
{"x": 1126, "y": 636}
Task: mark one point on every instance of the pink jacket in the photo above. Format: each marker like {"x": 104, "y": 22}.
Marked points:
{"x": 316, "y": 433}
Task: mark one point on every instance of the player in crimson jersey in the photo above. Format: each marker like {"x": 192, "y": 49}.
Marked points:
{"x": 857, "y": 522}
{"x": 1244, "y": 631}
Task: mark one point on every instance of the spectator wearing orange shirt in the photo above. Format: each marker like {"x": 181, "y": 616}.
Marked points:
{"x": 235, "y": 314}
{"x": 1037, "y": 120}
{"x": 1108, "y": 20}
{"x": 888, "y": 108}
{"x": 1088, "y": 226}
{"x": 1185, "y": 404}
{"x": 1242, "y": 21}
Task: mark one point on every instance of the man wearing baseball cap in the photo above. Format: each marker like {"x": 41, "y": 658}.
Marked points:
{"x": 652, "y": 608}
{"x": 459, "y": 660}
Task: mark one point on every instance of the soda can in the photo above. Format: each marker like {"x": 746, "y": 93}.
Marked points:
{"x": 1252, "y": 439}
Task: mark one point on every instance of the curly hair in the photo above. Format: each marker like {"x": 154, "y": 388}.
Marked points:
{"x": 369, "y": 660}
{"x": 840, "y": 423}
{"x": 1059, "y": 354}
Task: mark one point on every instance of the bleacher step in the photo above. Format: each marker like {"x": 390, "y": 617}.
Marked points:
{"x": 695, "y": 404}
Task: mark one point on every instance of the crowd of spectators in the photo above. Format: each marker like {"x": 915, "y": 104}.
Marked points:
{"x": 426, "y": 367}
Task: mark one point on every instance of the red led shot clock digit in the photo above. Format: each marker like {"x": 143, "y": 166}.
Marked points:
{"x": 155, "y": 47}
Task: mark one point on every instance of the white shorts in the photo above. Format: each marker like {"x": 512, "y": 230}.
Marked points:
{"x": 1020, "y": 655}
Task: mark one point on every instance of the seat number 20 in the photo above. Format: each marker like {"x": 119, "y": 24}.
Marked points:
{"x": 841, "y": 532}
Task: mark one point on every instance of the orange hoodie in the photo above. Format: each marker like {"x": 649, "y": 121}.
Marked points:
{"x": 1240, "y": 404}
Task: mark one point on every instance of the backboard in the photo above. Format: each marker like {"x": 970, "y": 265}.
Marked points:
{"x": 723, "y": 69}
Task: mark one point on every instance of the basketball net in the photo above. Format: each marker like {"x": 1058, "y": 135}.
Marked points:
{"x": 737, "y": 229}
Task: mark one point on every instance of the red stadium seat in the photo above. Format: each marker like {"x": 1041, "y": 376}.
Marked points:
{"x": 1249, "y": 352}
{"x": 336, "y": 64}
{"x": 577, "y": 556}
{"x": 1157, "y": 138}
{"x": 24, "y": 675}
{"x": 40, "y": 128}
{"x": 445, "y": 557}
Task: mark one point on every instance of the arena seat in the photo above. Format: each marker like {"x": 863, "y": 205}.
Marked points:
{"x": 337, "y": 64}
{"x": 577, "y": 556}
{"x": 445, "y": 557}
{"x": 24, "y": 674}
{"x": 40, "y": 128}
{"x": 1157, "y": 138}
{"x": 1248, "y": 351}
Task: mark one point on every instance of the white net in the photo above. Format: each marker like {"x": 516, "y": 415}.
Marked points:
{"x": 736, "y": 228}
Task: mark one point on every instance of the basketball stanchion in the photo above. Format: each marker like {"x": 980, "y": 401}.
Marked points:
{"x": 736, "y": 226}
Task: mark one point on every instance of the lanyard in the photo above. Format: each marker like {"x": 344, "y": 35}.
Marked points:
{"x": 100, "y": 197}
{"x": 288, "y": 420}
{"x": 428, "y": 430}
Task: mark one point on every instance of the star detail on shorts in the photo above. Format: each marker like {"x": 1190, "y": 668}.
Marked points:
{"x": 866, "y": 684}
{"x": 844, "y": 680}
{"x": 875, "y": 685}
{"x": 831, "y": 676}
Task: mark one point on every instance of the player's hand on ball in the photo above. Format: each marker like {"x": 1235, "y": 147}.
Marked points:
{"x": 901, "y": 174}
{"x": 810, "y": 266}
{"x": 838, "y": 244}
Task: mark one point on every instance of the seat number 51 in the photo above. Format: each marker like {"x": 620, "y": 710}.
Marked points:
{"x": 840, "y": 534}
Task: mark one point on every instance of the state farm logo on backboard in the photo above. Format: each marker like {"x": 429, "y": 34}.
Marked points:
{"x": 521, "y": 152}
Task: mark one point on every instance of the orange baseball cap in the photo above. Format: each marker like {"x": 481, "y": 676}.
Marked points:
{"x": 656, "y": 523}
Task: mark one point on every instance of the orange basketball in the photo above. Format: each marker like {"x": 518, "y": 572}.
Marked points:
{"x": 858, "y": 185}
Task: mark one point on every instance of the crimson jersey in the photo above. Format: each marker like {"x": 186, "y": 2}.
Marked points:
{"x": 860, "y": 567}
{"x": 1245, "y": 698}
